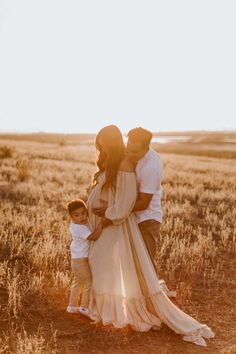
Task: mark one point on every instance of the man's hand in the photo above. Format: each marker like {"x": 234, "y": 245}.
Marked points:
{"x": 100, "y": 211}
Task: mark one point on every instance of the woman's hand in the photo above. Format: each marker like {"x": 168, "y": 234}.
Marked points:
{"x": 106, "y": 222}
{"x": 100, "y": 211}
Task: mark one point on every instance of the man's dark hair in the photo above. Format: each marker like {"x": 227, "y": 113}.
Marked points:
{"x": 76, "y": 204}
{"x": 140, "y": 135}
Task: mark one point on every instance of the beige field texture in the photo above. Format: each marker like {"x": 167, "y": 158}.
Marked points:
{"x": 197, "y": 249}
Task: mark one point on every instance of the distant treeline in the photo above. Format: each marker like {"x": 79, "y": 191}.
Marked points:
{"x": 195, "y": 136}
{"x": 197, "y": 133}
{"x": 52, "y": 138}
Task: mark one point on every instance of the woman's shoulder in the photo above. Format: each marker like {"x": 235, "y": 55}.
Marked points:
{"x": 126, "y": 166}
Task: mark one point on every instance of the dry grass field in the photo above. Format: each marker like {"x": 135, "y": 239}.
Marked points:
{"x": 197, "y": 252}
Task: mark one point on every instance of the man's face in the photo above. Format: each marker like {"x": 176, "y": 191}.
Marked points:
{"x": 79, "y": 216}
{"x": 135, "y": 151}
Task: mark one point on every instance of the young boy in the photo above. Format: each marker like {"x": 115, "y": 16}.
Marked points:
{"x": 81, "y": 235}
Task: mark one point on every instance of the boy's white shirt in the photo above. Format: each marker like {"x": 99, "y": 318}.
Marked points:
{"x": 80, "y": 245}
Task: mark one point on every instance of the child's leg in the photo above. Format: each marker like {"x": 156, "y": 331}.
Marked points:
{"x": 86, "y": 278}
{"x": 76, "y": 282}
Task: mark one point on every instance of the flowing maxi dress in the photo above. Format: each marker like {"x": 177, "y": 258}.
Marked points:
{"x": 125, "y": 289}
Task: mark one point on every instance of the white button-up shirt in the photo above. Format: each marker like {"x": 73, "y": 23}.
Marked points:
{"x": 149, "y": 172}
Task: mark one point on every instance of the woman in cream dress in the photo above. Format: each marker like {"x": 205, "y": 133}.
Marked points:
{"x": 125, "y": 289}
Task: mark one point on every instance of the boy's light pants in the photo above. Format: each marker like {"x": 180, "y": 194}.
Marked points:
{"x": 81, "y": 277}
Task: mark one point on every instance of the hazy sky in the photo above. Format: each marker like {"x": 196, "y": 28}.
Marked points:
{"x": 77, "y": 65}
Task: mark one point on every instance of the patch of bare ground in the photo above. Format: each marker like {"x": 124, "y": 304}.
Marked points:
{"x": 214, "y": 305}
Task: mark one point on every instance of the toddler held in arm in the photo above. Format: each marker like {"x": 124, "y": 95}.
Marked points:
{"x": 81, "y": 237}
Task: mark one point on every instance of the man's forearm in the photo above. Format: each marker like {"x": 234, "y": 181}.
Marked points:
{"x": 140, "y": 205}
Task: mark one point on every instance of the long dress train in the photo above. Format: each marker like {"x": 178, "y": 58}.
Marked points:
{"x": 125, "y": 289}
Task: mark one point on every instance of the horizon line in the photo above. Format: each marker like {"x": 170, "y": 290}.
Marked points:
{"x": 232, "y": 130}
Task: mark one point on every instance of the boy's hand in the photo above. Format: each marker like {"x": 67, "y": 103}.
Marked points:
{"x": 98, "y": 229}
{"x": 96, "y": 233}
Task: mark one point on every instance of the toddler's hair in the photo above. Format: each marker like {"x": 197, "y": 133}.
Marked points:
{"x": 75, "y": 204}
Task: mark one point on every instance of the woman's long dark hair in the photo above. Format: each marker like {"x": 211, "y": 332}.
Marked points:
{"x": 109, "y": 161}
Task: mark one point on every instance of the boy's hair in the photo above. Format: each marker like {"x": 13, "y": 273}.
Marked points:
{"x": 75, "y": 204}
{"x": 140, "y": 135}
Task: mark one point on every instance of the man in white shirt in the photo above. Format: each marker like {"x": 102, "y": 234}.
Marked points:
{"x": 149, "y": 172}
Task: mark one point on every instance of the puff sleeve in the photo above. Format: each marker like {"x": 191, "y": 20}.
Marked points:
{"x": 121, "y": 202}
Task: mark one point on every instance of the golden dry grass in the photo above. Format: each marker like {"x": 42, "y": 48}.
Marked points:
{"x": 196, "y": 252}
